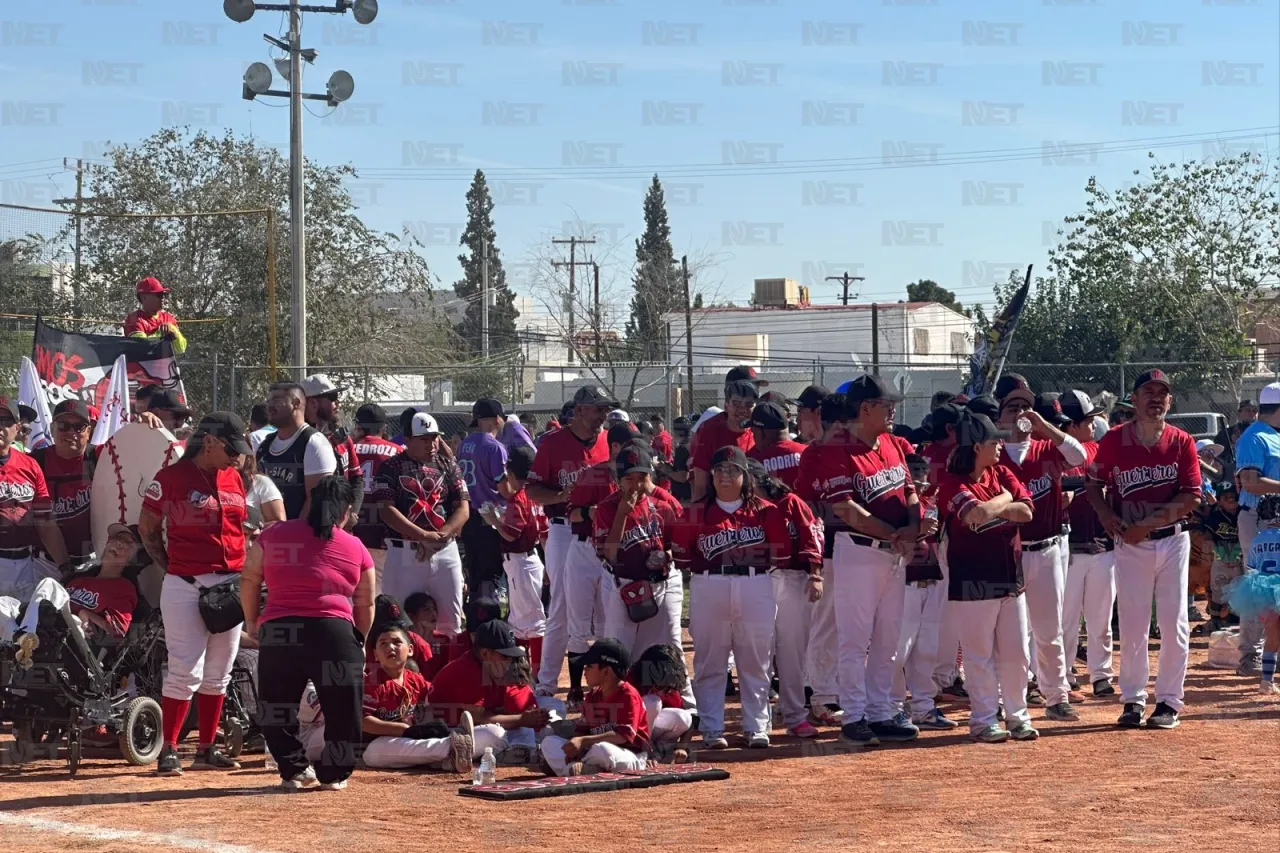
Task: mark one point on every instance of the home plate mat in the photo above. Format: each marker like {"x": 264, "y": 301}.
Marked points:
{"x": 557, "y": 786}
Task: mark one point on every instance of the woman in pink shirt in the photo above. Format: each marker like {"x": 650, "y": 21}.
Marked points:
{"x": 320, "y": 605}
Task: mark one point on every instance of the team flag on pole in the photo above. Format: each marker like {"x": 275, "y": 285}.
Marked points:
{"x": 991, "y": 349}
{"x": 115, "y": 406}
{"x": 31, "y": 393}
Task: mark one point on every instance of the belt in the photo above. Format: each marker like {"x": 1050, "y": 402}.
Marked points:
{"x": 735, "y": 571}
{"x": 869, "y": 542}
{"x": 558, "y": 520}
{"x": 15, "y": 553}
{"x": 1042, "y": 544}
{"x": 530, "y": 553}
{"x": 1164, "y": 532}
{"x": 405, "y": 543}
{"x": 923, "y": 584}
{"x": 582, "y": 537}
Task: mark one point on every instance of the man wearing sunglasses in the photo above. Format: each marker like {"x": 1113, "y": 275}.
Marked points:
{"x": 68, "y": 467}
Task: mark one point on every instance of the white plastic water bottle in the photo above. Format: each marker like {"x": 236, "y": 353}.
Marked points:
{"x": 487, "y": 772}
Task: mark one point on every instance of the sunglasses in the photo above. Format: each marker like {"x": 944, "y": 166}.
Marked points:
{"x": 226, "y": 448}
{"x": 72, "y": 426}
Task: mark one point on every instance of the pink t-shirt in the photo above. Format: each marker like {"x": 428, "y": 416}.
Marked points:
{"x": 307, "y": 576}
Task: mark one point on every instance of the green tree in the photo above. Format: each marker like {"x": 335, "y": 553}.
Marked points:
{"x": 927, "y": 290}
{"x": 502, "y": 311}
{"x": 368, "y": 293}
{"x": 658, "y": 288}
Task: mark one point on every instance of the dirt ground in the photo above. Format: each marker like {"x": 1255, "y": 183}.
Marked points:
{"x": 1214, "y": 782}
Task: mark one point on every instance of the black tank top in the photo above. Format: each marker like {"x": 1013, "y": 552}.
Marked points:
{"x": 287, "y": 469}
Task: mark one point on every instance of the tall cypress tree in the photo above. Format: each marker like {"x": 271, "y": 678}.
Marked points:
{"x": 502, "y": 311}
{"x": 658, "y": 289}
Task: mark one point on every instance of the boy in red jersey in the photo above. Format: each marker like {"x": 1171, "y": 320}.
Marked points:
{"x": 520, "y": 528}
{"x": 773, "y": 446}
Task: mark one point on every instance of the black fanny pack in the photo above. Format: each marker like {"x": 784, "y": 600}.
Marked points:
{"x": 641, "y": 600}
{"x": 220, "y": 605}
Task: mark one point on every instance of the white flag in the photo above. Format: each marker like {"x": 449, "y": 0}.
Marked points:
{"x": 115, "y": 408}
{"x": 31, "y": 393}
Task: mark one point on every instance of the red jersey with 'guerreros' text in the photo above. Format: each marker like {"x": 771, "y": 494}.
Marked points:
{"x": 1139, "y": 478}
{"x": 709, "y": 537}
{"x": 881, "y": 482}
{"x": 649, "y": 527}
{"x": 561, "y": 459}
{"x": 1041, "y": 473}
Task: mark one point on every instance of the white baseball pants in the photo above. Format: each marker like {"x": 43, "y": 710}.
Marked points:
{"x": 790, "y": 642}
{"x": 994, "y": 636}
{"x": 198, "y": 661}
{"x": 584, "y": 572}
{"x": 524, "y": 595}
{"x": 397, "y": 753}
{"x": 662, "y": 630}
{"x": 918, "y": 647}
{"x": 439, "y": 576}
{"x": 17, "y": 578}
{"x": 732, "y": 614}
{"x": 46, "y": 590}
{"x": 821, "y": 660}
{"x": 556, "y": 640}
{"x": 1046, "y": 581}
{"x": 945, "y": 670}
{"x": 1250, "y": 629}
{"x": 666, "y": 725}
{"x": 1091, "y": 590}
{"x": 869, "y": 595}
{"x": 1158, "y": 569}
{"x": 379, "y": 565}
{"x": 602, "y": 757}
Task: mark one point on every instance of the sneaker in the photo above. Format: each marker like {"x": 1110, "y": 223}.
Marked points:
{"x": 935, "y": 720}
{"x": 1194, "y": 614}
{"x": 575, "y": 768}
{"x": 332, "y": 786}
{"x": 826, "y": 715}
{"x": 300, "y": 781}
{"x": 1034, "y": 696}
{"x": 1075, "y": 697}
{"x": 168, "y": 764}
{"x": 1163, "y": 717}
{"x": 859, "y": 733}
{"x": 897, "y": 730}
{"x": 1269, "y": 688}
{"x": 714, "y": 740}
{"x": 210, "y": 758}
{"x": 1061, "y": 712}
{"x": 1023, "y": 731}
{"x": 991, "y": 734}
{"x": 757, "y": 740}
{"x": 516, "y": 755}
{"x": 1249, "y": 666}
{"x": 1132, "y": 716}
{"x": 1103, "y": 688}
{"x": 462, "y": 745}
{"x": 805, "y": 730}
{"x": 955, "y": 692}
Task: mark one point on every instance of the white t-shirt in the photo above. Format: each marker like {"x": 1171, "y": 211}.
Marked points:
{"x": 319, "y": 458}
{"x": 264, "y": 491}
{"x": 256, "y": 437}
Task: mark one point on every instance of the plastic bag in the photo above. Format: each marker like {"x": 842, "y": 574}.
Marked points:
{"x": 1224, "y": 649}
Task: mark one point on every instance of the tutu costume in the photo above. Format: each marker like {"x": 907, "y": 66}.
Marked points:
{"x": 1257, "y": 592}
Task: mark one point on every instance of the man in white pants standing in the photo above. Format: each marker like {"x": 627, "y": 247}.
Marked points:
{"x": 1257, "y": 456}
{"x": 562, "y": 457}
{"x": 1037, "y": 454}
{"x": 1151, "y": 471}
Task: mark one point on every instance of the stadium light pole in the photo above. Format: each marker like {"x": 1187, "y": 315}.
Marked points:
{"x": 257, "y": 81}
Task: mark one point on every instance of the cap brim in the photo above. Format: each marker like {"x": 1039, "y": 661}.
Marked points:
{"x": 638, "y": 469}
{"x": 113, "y": 529}
{"x": 513, "y": 652}
{"x": 239, "y": 445}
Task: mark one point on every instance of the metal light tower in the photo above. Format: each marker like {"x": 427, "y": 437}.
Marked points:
{"x": 257, "y": 81}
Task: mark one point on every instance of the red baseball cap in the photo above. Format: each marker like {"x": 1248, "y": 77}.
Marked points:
{"x": 151, "y": 284}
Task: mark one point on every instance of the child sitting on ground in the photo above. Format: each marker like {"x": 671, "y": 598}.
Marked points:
{"x": 387, "y": 612}
{"x": 660, "y": 677}
{"x": 613, "y": 732}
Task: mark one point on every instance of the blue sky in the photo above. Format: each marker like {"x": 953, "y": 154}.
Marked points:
{"x": 896, "y": 139}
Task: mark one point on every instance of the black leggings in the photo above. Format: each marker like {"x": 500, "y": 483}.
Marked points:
{"x": 328, "y": 652}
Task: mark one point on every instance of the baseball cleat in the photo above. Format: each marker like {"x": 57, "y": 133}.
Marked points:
{"x": 210, "y": 758}
{"x": 1023, "y": 731}
{"x": 935, "y": 720}
{"x": 1062, "y": 713}
{"x": 826, "y": 715}
{"x": 805, "y": 730}
{"x": 1163, "y": 717}
{"x": 1103, "y": 688}
{"x": 858, "y": 734}
{"x": 990, "y": 734}
{"x": 1132, "y": 716}
{"x": 168, "y": 764}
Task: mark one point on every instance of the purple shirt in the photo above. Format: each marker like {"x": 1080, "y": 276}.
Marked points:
{"x": 483, "y": 461}
{"x": 514, "y": 434}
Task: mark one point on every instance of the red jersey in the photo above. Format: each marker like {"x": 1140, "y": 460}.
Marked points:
{"x": 708, "y": 537}
{"x": 937, "y": 454}
{"x": 444, "y": 651}
{"x": 1041, "y": 472}
{"x": 394, "y": 702}
{"x": 464, "y": 684}
{"x": 663, "y": 446}
{"x": 561, "y": 459}
{"x": 1141, "y": 477}
{"x": 111, "y": 598}
{"x": 204, "y": 517}
{"x": 593, "y": 486}
{"x": 420, "y": 653}
{"x": 881, "y": 482}
{"x": 371, "y": 451}
{"x": 781, "y": 460}
{"x": 622, "y": 713}
{"x": 23, "y": 493}
{"x": 648, "y": 528}
{"x": 70, "y": 481}
{"x": 137, "y": 322}
{"x": 344, "y": 450}
{"x": 1085, "y": 526}
{"x": 805, "y": 532}
{"x": 826, "y": 478}
{"x": 713, "y": 435}
{"x": 520, "y": 519}
{"x": 984, "y": 562}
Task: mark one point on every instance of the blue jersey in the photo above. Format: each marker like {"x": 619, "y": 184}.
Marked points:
{"x": 1264, "y": 556}
{"x": 1259, "y": 449}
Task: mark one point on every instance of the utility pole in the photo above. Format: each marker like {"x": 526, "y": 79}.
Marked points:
{"x": 484, "y": 297}
{"x": 573, "y": 242}
{"x": 595, "y": 305}
{"x": 846, "y": 280}
{"x": 688, "y": 330}
{"x": 875, "y": 338}
{"x": 78, "y": 201}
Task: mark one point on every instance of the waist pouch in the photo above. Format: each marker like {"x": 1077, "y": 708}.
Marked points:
{"x": 220, "y": 605}
{"x": 641, "y": 599}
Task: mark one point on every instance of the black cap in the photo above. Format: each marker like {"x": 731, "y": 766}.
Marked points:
{"x": 812, "y": 397}
{"x": 607, "y": 652}
{"x": 566, "y": 413}
{"x": 26, "y": 414}
{"x": 479, "y": 610}
{"x": 1246, "y": 404}
{"x": 1077, "y": 407}
{"x": 744, "y": 373}
{"x": 974, "y": 429}
{"x": 941, "y": 417}
{"x": 983, "y": 405}
{"x": 591, "y": 395}
{"x": 497, "y": 636}
{"x": 10, "y": 408}
{"x": 835, "y": 407}
{"x": 1156, "y": 375}
{"x": 1048, "y": 405}
{"x": 228, "y": 427}
{"x": 487, "y": 407}
{"x": 768, "y": 416}
{"x": 371, "y": 415}
{"x": 682, "y": 421}
{"x": 870, "y": 386}
{"x": 167, "y": 401}
{"x": 741, "y": 388}
{"x": 731, "y": 455}
{"x": 1010, "y": 382}
{"x": 72, "y": 407}
{"x": 387, "y": 613}
{"x": 520, "y": 461}
{"x": 619, "y": 434}
{"x": 633, "y": 458}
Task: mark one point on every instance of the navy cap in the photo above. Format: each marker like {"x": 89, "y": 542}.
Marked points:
{"x": 729, "y": 455}
{"x": 869, "y": 387}
{"x": 974, "y": 429}
{"x": 812, "y": 397}
{"x": 983, "y": 405}
{"x": 768, "y": 416}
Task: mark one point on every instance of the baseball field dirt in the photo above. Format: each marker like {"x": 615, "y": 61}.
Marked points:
{"x": 1214, "y": 781}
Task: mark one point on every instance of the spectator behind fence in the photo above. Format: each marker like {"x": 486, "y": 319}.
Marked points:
{"x": 152, "y": 322}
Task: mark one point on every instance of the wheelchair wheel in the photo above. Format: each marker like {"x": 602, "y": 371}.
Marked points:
{"x": 235, "y": 738}
{"x": 24, "y": 741}
{"x": 140, "y": 731}
{"x": 73, "y": 753}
